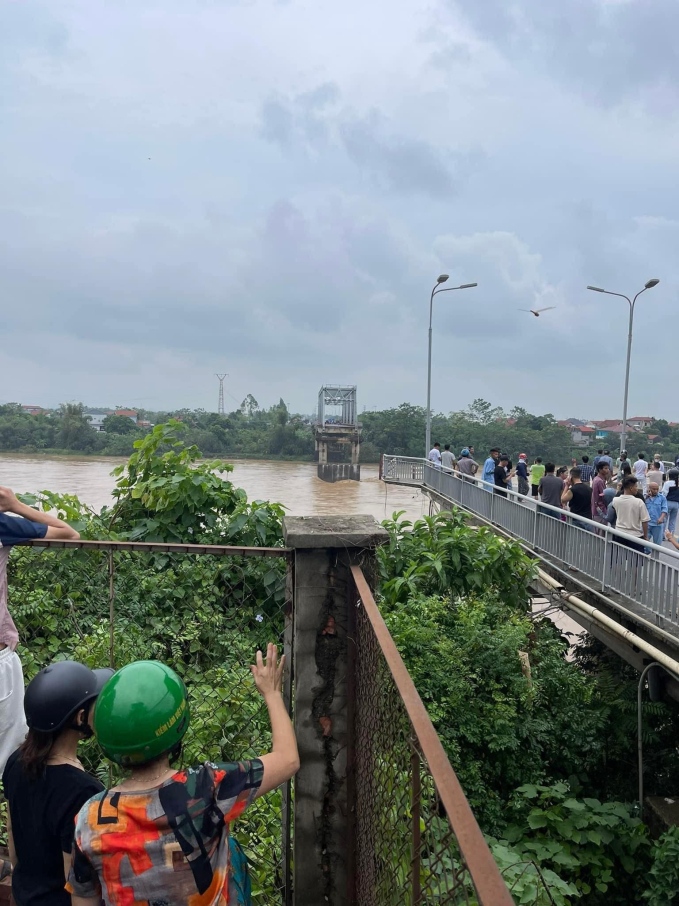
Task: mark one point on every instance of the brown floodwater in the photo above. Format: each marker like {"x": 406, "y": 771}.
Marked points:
{"x": 294, "y": 484}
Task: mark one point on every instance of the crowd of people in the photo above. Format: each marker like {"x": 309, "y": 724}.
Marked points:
{"x": 639, "y": 498}
{"x": 162, "y": 835}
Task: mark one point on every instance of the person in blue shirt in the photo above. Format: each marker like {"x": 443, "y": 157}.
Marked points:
{"x": 488, "y": 474}
{"x": 656, "y": 504}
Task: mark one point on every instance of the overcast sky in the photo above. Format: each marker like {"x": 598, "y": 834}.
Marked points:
{"x": 271, "y": 188}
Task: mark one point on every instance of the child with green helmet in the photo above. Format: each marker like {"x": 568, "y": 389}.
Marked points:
{"x": 162, "y": 836}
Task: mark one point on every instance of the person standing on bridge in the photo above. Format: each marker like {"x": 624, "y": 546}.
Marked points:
{"x": 578, "y": 496}
{"x": 640, "y": 469}
{"x": 502, "y": 476}
{"x": 551, "y": 488}
{"x": 631, "y": 516}
{"x": 522, "y": 475}
{"x": 656, "y": 504}
{"x": 671, "y": 492}
{"x": 586, "y": 471}
{"x": 537, "y": 470}
{"x": 18, "y": 523}
{"x": 466, "y": 465}
{"x": 488, "y": 474}
{"x": 599, "y": 508}
{"x": 435, "y": 455}
{"x": 448, "y": 461}
{"x": 655, "y": 474}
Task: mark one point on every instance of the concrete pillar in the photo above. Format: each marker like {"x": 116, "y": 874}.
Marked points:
{"x": 325, "y": 547}
{"x": 322, "y": 450}
{"x": 355, "y": 451}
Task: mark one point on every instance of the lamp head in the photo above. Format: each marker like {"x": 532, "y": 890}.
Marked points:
{"x": 651, "y": 283}
{"x": 442, "y": 278}
{"x": 596, "y": 289}
{"x": 468, "y": 285}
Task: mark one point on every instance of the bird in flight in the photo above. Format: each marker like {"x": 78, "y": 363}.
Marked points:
{"x": 536, "y": 311}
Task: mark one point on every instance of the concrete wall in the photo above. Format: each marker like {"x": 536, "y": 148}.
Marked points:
{"x": 324, "y": 547}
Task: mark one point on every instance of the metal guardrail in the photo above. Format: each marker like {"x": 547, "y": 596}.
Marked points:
{"x": 416, "y": 839}
{"x": 597, "y": 551}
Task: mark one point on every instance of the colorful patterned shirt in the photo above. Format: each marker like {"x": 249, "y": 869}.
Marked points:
{"x": 169, "y": 845}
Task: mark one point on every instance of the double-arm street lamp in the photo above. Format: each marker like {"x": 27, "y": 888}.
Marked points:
{"x": 437, "y": 289}
{"x": 649, "y": 285}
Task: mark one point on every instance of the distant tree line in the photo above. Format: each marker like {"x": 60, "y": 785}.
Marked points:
{"x": 275, "y": 433}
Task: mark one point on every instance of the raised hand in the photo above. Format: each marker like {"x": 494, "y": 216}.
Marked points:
{"x": 268, "y": 674}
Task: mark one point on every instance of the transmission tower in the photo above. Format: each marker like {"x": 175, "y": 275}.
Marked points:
{"x": 220, "y": 406}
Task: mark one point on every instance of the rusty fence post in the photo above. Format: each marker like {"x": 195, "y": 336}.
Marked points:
{"x": 111, "y": 610}
{"x": 325, "y": 548}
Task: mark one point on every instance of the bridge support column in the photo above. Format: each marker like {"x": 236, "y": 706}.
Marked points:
{"x": 325, "y": 547}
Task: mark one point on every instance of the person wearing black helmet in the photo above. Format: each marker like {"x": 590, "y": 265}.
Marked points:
{"x": 45, "y": 783}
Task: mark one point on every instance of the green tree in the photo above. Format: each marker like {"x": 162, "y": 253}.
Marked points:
{"x": 119, "y": 424}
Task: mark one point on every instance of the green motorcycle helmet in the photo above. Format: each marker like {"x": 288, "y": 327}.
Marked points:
{"x": 141, "y": 713}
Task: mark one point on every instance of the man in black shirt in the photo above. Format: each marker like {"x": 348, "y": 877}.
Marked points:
{"x": 579, "y": 496}
{"x": 502, "y": 476}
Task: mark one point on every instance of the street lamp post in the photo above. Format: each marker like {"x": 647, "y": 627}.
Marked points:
{"x": 435, "y": 290}
{"x": 648, "y": 285}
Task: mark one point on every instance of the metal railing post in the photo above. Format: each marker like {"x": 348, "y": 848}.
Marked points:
{"x": 111, "y": 611}
{"x": 492, "y": 499}
{"x": 604, "y": 571}
{"x": 535, "y": 527}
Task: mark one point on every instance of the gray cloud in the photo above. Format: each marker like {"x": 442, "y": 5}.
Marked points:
{"x": 309, "y": 178}
{"x": 608, "y": 50}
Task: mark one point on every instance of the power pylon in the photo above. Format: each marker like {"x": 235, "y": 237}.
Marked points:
{"x": 220, "y": 406}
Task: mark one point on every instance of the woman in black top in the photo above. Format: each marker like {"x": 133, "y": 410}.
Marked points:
{"x": 45, "y": 783}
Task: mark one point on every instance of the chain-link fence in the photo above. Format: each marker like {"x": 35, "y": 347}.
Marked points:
{"x": 204, "y": 611}
{"x": 417, "y": 841}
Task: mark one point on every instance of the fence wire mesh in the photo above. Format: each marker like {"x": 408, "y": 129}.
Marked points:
{"x": 407, "y": 849}
{"x": 203, "y": 612}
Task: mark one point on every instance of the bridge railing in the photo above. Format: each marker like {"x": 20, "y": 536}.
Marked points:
{"x": 416, "y": 839}
{"x": 646, "y": 573}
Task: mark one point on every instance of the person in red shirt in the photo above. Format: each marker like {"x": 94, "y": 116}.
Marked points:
{"x": 599, "y": 508}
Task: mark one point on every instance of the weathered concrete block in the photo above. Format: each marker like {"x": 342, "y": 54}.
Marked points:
{"x": 339, "y": 471}
{"x": 325, "y": 547}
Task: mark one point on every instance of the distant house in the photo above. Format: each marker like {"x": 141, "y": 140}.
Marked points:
{"x": 582, "y": 436}
{"x": 34, "y": 410}
{"x": 96, "y": 418}
{"x": 640, "y": 421}
{"x": 143, "y": 424}
{"x": 128, "y": 413}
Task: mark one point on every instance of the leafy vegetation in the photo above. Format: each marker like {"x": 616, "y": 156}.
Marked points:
{"x": 250, "y": 431}
{"x": 543, "y": 746}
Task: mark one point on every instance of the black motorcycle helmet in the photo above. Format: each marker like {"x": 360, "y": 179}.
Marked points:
{"x": 60, "y": 690}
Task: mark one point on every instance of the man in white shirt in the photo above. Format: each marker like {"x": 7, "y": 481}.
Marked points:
{"x": 435, "y": 456}
{"x": 640, "y": 468}
{"x": 631, "y": 515}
